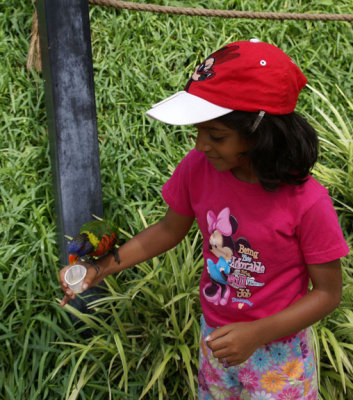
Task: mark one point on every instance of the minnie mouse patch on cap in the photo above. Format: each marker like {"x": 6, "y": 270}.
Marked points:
{"x": 206, "y": 71}
{"x": 246, "y": 76}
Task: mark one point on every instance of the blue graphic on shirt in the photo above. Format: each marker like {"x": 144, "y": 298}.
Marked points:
{"x": 218, "y": 270}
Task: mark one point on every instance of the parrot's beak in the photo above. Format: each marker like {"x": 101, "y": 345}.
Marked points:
{"x": 73, "y": 258}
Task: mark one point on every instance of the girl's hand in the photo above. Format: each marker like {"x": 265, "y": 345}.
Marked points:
{"x": 92, "y": 278}
{"x": 234, "y": 343}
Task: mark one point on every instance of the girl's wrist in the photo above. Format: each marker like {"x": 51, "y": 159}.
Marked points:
{"x": 262, "y": 331}
{"x": 266, "y": 330}
{"x": 108, "y": 265}
{"x": 259, "y": 331}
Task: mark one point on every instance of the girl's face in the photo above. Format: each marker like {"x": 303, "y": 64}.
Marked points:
{"x": 223, "y": 147}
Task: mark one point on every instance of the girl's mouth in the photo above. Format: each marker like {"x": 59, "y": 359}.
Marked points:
{"x": 209, "y": 158}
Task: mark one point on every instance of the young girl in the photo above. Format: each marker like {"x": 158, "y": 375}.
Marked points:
{"x": 268, "y": 227}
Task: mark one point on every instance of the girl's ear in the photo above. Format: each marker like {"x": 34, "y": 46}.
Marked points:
{"x": 234, "y": 224}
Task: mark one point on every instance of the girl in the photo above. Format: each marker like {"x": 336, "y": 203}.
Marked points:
{"x": 247, "y": 183}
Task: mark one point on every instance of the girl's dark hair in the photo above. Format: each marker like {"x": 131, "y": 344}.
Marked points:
{"x": 283, "y": 148}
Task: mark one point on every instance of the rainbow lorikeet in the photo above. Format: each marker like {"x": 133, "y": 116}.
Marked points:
{"x": 96, "y": 238}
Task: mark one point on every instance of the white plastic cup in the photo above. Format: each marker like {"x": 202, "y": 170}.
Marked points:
{"x": 74, "y": 277}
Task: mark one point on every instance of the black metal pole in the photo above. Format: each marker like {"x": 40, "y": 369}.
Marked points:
{"x": 72, "y": 123}
{"x": 68, "y": 72}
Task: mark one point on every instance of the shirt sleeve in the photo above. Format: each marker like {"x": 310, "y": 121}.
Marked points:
{"x": 176, "y": 191}
{"x": 320, "y": 235}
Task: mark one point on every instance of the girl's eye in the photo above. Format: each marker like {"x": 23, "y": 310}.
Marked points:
{"x": 216, "y": 138}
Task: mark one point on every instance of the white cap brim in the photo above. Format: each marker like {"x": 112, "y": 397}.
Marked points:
{"x": 184, "y": 108}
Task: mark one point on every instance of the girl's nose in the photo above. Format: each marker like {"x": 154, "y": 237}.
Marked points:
{"x": 202, "y": 143}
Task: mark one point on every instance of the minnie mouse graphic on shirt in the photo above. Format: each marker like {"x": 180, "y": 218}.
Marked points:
{"x": 233, "y": 266}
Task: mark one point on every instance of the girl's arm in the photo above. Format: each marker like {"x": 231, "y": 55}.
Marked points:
{"x": 324, "y": 297}
{"x": 236, "y": 342}
{"x": 154, "y": 240}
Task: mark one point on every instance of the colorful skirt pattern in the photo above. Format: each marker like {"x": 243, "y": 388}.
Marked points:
{"x": 283, "y": 370}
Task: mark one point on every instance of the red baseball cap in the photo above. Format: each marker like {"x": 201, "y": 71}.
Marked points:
{"x": 246, "y": 76}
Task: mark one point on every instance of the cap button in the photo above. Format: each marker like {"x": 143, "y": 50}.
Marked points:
{"x": 255, "y": 40}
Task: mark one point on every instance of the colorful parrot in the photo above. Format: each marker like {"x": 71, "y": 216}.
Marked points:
{"x": 96, "y": 238}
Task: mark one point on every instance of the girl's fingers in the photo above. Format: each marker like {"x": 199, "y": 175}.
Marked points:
{"x": 221, "y": 353}
{"x": 66, "y": 299}
{"x": 61, "y": 277}
{"x": 92, "y": 277}
{"x": 63, "y": 301}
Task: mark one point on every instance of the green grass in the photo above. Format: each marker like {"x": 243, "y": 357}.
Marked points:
{"x": 146, "y": 328}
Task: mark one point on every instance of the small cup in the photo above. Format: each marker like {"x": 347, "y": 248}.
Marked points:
{"x": 74, "y": 277}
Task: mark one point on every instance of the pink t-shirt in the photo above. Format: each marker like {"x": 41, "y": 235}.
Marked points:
{"x": 256, "y": 244}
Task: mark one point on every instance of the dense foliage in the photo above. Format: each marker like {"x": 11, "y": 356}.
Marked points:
{"x": 146, "y": 330}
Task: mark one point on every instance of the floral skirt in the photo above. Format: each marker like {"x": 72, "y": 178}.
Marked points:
{"x": 276, "y": 371}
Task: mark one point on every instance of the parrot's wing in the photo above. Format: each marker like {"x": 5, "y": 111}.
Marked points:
{"x": 100, "y": 228}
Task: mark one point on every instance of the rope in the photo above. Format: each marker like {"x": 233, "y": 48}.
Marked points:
{"x": 220, "y": 13}
{"x": 34, "y": 59}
